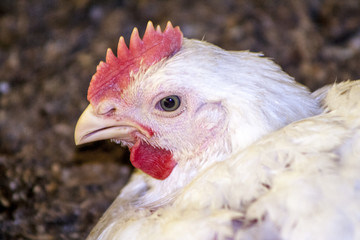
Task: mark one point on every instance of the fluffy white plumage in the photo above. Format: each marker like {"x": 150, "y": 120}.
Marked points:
{"x": 257, "y": 157}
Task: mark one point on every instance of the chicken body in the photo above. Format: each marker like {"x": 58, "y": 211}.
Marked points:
{"x": 247, "y": 154}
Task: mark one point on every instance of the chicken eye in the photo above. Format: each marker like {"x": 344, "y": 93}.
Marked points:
{"x": 170, "y": 103}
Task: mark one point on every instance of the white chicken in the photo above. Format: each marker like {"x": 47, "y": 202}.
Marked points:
{"x": 226, "y": 144}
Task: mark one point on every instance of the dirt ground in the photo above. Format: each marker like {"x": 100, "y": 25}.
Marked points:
{"x": 49, "y": 49}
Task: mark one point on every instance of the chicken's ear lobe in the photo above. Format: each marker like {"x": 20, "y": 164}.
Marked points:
{"x": 211, "y": 117}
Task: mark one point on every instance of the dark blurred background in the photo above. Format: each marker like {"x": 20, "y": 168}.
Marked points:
{"x": 49, "y": 49}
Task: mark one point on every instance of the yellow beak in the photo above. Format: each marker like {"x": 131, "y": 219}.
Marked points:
{"x": 92, "y": 127}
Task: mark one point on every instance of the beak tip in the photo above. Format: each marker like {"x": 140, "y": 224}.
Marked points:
{"x": 77, "y": 141}
{"x": 81, "y": 126}
{"x": 91, "y": 127}
{"x": 80, "y": 139}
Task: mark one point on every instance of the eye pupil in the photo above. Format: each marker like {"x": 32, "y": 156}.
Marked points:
{"x": 170, "y": 103}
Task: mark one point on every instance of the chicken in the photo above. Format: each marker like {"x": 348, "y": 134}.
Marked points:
{"x": 225, "y": 144}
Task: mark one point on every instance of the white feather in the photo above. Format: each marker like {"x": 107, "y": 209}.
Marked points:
{"x": 273, "y": 171}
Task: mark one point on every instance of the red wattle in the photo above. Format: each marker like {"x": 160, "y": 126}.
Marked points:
{"x": 156, "y": 162}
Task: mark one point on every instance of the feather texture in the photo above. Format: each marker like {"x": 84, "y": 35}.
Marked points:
{"x": 248, "y": 153}
{"x": 300, "y": 182}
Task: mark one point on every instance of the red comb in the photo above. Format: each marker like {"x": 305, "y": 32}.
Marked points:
{"x": 113, "y": 76}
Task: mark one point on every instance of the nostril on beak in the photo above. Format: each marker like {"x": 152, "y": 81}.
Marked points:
{"x": 110, "y": 111}
{"x": 106, "y": 108}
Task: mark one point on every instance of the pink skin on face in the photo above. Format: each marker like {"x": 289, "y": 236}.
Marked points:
{"x": 113, "y": 76}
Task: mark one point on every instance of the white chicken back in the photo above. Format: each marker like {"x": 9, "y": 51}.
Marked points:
{"x": 256, "y": 155}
